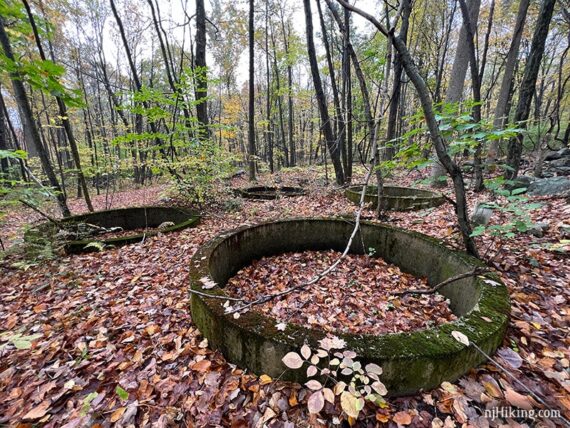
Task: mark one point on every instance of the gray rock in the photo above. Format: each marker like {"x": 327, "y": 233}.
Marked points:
{"x": 520, "y": 182}
{"x": 560, "y": 170}
{"x": 562, "y": 162}
{"x": 555, "y": 186}
{"x": 538, "y": 229}
{"x": 565, "y": 152}
{"x": 481, "y": 215}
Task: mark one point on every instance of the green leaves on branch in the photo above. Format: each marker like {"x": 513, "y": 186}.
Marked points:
{"x": 45, "y": 76}
{"x": 13, "y": 154}
{"x": 514, "y": 206}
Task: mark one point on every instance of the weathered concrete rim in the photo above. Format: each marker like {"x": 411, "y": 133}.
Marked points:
{"x": 411, "y": 361}
{"x": 128, "y": 219}
{"x": 270, "y": 192}
{"x": 397, "y": 198}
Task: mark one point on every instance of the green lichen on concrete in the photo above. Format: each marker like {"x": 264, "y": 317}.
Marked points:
{"x": 397, "y": 198}
{"x": 127, "y": 219}
{"x": 411, "y": 361}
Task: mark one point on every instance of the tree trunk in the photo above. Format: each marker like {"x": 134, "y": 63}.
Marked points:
{"x": 347, "y": 89}
{"x": 486, "y": 43}
{"x": 457, "y": 79}
{"x": 334, "y": 86}
{"x": 390, "y": 150}
{"x": 27, "y": 119}
{"x": 292, "y": 149}
{"x": 268, "y": 139}
{"x": 251, "y": 97}
{"x": 200, "y": 60}
{"x": 476, "y": 88}
{"x": 507, "y": 81}
{"x": 528, "y": 86}
{"x": 63, "y": 116}
{"x": 332, "y": 145}
{"x": 4, "y": 164}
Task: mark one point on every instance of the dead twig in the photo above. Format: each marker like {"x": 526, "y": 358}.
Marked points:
{"x": 474, "y": 272}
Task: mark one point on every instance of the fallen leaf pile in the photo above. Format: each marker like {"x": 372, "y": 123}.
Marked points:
{"x": 107, "y": 338}
{"x": 354, "y": 298}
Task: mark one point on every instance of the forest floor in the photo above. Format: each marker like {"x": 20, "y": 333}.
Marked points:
{"x": 111, "y": 338}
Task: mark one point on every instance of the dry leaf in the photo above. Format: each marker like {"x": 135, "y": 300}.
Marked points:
{"x": 38, "y": 412}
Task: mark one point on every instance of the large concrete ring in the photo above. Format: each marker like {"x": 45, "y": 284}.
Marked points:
{"x": 411, "y": 361}
{"x": 268, "y": 193}
{"x": 127, "y": 219}
{"x": 397, "y": 198}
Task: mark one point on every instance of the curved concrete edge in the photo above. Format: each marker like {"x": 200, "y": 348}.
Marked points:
{"x": 423, "y": 200}
{"x": 283, "y": 191}
{"x": 414, "y": 361}
{"x": 185, "y": 219}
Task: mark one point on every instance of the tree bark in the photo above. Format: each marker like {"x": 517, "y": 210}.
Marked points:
{"x": 290, "y": 118}
{"x": 507, "y": 81}
{"x": 528, "y": 86}
{"x": 334, "y": 86}
{"x": 27, "y": 119}
{"x": 268, "y": 129}
{"x": 457, "y": 78}
{"x": 390, "y": 150}
{"x": 476, "y": 88}
{"x": 251, "y": 96}
{"x": 201, "y": 92}
{"x": 64, "y": 116}
{"x": 332, "y": 145}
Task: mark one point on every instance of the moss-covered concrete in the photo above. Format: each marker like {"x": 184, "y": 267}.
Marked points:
{"x": 268, "y": 193}
{"x": 127, "y": 219}
{"x": 397, "y": 198}
{"x": 411, "y": 361}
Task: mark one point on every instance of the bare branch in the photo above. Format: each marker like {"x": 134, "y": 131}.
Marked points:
{"x": 474, "y": 272}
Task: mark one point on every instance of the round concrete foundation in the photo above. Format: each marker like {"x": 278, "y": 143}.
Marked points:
{"x": 127, "y": 219}
{"x": 268, "y": 193}
{"x": 411, "y": 361}
{"x": 397, "y": 198}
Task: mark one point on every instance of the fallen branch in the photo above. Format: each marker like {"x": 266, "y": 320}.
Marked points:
{"x": 213, "y": 296}
{"x": 474, "y": 272}
{"x": 36, "y": 209}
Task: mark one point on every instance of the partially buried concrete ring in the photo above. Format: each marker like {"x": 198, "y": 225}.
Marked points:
{"x": 396, "y": 198}
{"x": 127, "y": 219}
{"x": 268, "y": 192}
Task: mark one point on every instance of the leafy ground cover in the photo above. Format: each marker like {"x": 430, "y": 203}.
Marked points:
{"x": 358, "y": 297}
{"x": 107, "y": 338}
